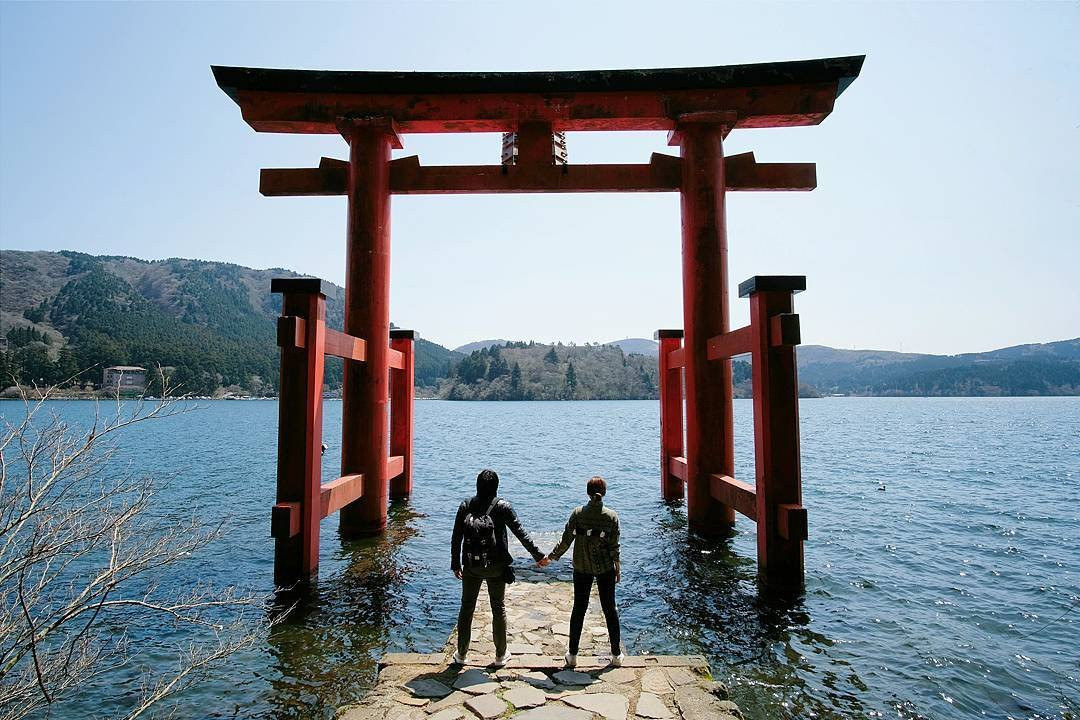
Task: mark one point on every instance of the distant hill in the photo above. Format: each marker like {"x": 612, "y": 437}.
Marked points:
{"x": 478, "y": 345}
{"x": 1036, "y": 369}
{"x": 214, "y": 323}
{"x": 640, "y": 346}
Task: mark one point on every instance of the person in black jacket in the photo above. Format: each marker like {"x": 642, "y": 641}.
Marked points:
{"x": 491, "y": 565}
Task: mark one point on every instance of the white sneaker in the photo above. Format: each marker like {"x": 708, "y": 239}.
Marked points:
{"x": 503, "y": 659}
{"x": 616, "y": 660}
{"x": 570, "y": 658}
{"x": 458, "y": 658}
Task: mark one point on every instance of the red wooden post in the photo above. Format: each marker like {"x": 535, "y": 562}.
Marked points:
{"x": 781, "y": 519}
{"x": 671, "y": 414}
{"x": 367, "y": 315}
{"x": 402, "y": 384}
{"x": 299, "y": 464}
{"x": 710, "y": 441}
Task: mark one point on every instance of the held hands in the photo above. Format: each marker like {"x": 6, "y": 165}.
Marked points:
{"x": 544, "y": 561}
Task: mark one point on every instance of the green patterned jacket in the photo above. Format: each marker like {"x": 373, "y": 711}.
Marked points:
{"x": 594, "y": 531}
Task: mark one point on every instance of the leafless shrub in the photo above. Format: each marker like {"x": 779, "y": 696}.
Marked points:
{"x": 81, "y": 544}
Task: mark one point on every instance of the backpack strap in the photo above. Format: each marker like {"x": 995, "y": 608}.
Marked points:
{"x": 492, "y": 506}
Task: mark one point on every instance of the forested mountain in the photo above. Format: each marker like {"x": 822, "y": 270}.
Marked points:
{"x": 1036, "y": 369}
{"x": 212, "y": 323}
{"x": 533, "y": 371}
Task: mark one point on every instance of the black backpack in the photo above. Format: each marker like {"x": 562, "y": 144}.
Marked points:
{"x": 479, "y": 536}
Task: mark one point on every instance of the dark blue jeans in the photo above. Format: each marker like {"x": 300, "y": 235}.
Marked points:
{"x": 605, "y": 584}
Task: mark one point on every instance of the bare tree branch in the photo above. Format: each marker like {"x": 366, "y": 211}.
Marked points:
{"x": 82, "y": 545}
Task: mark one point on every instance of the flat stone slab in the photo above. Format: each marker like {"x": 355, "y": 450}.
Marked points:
{"x": 651, "y": 706}
{"x": 427, "y": 688}
{"x": 572, "y": 677}
{"x": 681, "y": 676}
{"x": 654, "y": 681}
{"x": 619, "y": 675}
{"x": 554, "y": 711}
{"x": 454, "y": 699}
{"x": 412, "y": 701}
{"x": 525, "y": 697}
{"x": 536, "y": 679}
{"x": 610, "y": 706}
{"x": 486, "y": 706}
{"x": 524, "y": 649}
{"x": 475, "y": 682}
{"x": 453, "y": 713}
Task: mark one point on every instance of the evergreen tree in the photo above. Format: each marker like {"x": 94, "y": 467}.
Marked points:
{"x": 515, "y": 382}
{"x": 571, "y": 380}
{"x": 551, "y": 356}
{"x": 498, "y": 368}
{"x": 66, "y": 366}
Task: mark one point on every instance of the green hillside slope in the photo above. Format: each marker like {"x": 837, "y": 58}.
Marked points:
{"x": 213, "y": 323}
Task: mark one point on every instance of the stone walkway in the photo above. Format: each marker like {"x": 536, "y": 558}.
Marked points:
{"x": 536, "y": 685}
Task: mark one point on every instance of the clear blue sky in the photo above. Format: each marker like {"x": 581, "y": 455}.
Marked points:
{"x": 947, "y": 217}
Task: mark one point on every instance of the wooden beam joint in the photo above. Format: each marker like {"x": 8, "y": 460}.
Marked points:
{"x": 677, "y": 467}
{"x": 791, "y": 521}
{"x": 784, "y": 330}
{"x": 292, "y": 332}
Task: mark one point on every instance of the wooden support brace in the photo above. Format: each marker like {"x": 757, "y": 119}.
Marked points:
{"x": 292, "y": 331}
{"x": 334, "y": 495}
{"x": 338, "y": 493}
{"x": 735, "y": 493}
{"x": 345, "y": 346}
{"x": 395, "y": 465}
{"x": 730, "y": 344}
{"x": 677, "y": 467}
{"x": 397, "y": 360}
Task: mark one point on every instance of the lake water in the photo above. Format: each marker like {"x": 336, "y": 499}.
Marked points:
{"x": 942, "y": 570}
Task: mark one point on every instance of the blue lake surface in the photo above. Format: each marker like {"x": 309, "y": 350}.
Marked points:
{"x": 942, "y": 570}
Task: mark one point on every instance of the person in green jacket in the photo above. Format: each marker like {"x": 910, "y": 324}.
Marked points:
{"x": 594, "y": 531}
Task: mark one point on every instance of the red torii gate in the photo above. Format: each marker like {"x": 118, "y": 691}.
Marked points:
{"x": 699, "y": 107}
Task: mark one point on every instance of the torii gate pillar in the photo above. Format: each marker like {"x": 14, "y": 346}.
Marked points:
{"x": 710, "y": 440}
{"x": 367, "y": 314}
